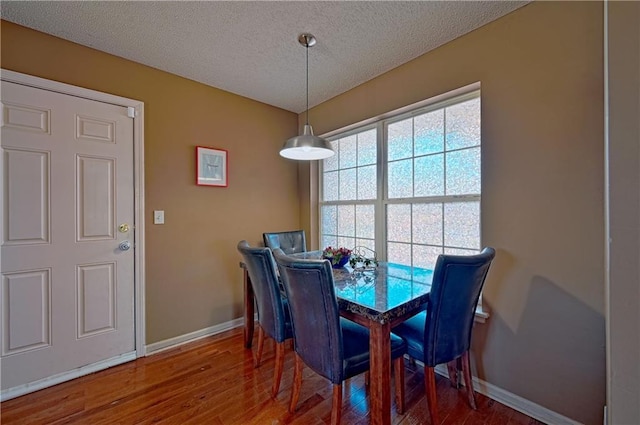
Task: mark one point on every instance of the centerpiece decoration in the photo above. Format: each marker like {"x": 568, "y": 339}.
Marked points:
{"x": 337, "y": 256}
{"x": 363, "y": 258}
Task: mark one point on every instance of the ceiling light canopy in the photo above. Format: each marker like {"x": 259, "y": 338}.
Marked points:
{"x": 307, "y": 147}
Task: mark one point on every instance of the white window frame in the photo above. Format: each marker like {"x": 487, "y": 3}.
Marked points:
{"x": 382, "y": 200}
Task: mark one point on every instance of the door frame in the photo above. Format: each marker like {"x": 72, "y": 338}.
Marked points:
{"x": 138, "y": 182}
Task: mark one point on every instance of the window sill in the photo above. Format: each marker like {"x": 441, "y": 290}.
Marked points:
{"x": 481, "y": 315}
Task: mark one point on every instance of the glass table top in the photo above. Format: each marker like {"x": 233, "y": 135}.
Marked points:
{"x": 383, "y": 293}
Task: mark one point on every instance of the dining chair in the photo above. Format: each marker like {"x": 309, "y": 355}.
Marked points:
{"x": 442, "y": 333}
{"x": 290, "y": 242}
{"x": 273, "y": 313}
{"x": 332, "y": 346}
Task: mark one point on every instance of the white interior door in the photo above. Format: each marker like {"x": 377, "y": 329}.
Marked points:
{"x": 67, "y": 294}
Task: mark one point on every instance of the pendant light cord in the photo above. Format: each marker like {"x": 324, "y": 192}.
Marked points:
{"x": 307, "y": 47}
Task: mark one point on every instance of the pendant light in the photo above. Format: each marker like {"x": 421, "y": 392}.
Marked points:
{"x": 307, "y": 146}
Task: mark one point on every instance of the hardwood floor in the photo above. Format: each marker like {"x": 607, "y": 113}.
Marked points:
{"x": 213, "y": 381}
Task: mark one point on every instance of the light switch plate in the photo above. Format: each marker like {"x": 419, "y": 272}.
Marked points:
{"x": 158, "y": 217}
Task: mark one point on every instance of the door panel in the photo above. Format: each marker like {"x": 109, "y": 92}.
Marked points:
{"x": 27, "y": 297}
{"x": 27, "y": 197}
{"x": 67, "y": 288}
{"x": 95, "y": 198}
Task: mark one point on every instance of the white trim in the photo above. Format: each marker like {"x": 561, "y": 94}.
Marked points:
{"x": 380, "y": 124}
{"x": 65, "y": 376}
{"x": 481, "y": 315}
{"x": 138, "y": 153}
{"x": 157, "y": 347}
{"x": 607, "y": 217}
{"x": 513, "y": 401}
{"x": 138, "y": 230}
{"x": 41, "y": 83}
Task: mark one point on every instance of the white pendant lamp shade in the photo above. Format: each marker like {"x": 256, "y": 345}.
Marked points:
{"x": 307, "y": 147}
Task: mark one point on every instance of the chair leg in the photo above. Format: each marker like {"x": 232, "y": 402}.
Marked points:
{"x": 367, "y": 378}
{"x": 466, "y": 372}
{"x": 260, "y": 347}
{"x": 277, "y": 374}
{"x": 453, "y": 373}
{"x": 297, "y": 383}
{"x": 430, "y": 385}
{"x": 398, "y": 370}
{"x": 336, "y": 406}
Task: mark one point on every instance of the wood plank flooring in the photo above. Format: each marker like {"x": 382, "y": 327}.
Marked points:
{"x": 213, "y": 381}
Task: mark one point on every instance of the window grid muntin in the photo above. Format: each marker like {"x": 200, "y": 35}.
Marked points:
{"x": 443, "y": 201}
{"x": 444, "y": 152}
{"x": 382, "y": 172}
{"x": 337, "y": 145}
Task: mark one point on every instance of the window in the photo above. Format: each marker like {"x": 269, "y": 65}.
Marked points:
{"x": 407, "y": 186}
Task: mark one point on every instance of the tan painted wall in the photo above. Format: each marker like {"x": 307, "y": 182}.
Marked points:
{"x": 541, "y": 71}
{"x": 192, "y": 276}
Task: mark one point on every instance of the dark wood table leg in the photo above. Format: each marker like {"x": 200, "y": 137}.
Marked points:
{"x": 380, "y": 373}
{"x": 248, "y": 310}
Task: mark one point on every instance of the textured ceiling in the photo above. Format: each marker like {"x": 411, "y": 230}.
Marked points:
{"x": 250, "y": 47}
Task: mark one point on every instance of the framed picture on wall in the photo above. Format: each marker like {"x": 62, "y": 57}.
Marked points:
{"x": 211, "y": 167}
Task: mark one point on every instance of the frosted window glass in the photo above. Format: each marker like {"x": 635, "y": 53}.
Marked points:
{"x": 463, "y": 172}
{"x": 462, "y": 225}
{"x": 430, "y": 194}
{"x": 399, "y": 253}
{"x": 346, "y": 242}
{"x": 456, "y": 251}
{"x": 348, "y": 152}
{"x": 400, "y": 179}
{"x": 348, "y": 184}
{"x": 367, "y": 182}
{"x": 365, "y": 221}
{"x": 463, "y": 124}
{"x": 367, "y": 148}
{"x": 329, "y": 240}
{"x": 330, "y": 186}
{"x": 329, "y": 220}
{"x": 400, "y": 140}
{"x": 346, "y": 220}
{"x": 429, "y": 175}
{"x": 399, "y": 222}
{"x": 426, "y": 256}
{"x": 427, "y": 223}
{"x": 367, "y": 243}
{"x": 429, "y": 133}
{"x": 331, "y": 163}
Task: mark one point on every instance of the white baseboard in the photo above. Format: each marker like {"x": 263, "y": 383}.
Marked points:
{"x": 160, "y": 346}
{"x": 513, "y": 401}
{"x": 65, "y": 376}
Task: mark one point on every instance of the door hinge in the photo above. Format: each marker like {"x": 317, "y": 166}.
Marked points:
{"x": 131, "y": 112}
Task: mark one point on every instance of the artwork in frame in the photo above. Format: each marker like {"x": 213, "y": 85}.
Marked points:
{"x": 211, "y": 167}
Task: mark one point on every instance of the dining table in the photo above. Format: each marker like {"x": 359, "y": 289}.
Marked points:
{"x": 377, "y": 297}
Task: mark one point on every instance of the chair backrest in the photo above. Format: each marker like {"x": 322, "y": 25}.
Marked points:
{"x": 455, "y": 289}
{"x": 290, "y": 242}
{"x": 315, "y": 317}
{"x": 261, "y": 268}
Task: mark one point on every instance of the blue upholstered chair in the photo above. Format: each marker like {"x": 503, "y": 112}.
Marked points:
{"x": 333, "y": 347}
{"x": 442, "y": 333}
{"x": 290, "y": 242}
{"x": 273, "y": 312}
